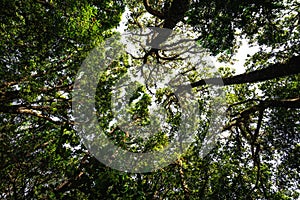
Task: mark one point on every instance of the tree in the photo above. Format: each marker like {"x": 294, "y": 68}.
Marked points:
{"x": 43, "y": 44}
{"x": 218, "y": 24}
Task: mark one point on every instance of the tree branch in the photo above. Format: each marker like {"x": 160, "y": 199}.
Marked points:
{"x": 183, "y": 183}
{"x": 176, "y": 13}
{"x": 152, "y": 11}
{"x": 69, "y": 182}
{"x": 277, "y": 70}
{"x": 15, "y": 109}
{"x": 273, "y": 103}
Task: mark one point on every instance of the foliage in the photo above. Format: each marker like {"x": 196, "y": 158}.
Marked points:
{"x": 42, "y": 46}
{"x": 271, "y": 23}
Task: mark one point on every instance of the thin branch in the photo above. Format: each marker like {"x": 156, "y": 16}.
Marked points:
{"x": 182, "y": 180}
{"x": 259, "y": 122}
{"x": 242, "y": 102}
{"x": 175, "y": 57}
{"x": 69, "y": 182}
{"x": 40, "y": 74}
{"x": 135, "y": 18}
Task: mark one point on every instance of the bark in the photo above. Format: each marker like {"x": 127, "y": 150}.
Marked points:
{"x": 152, "y": 11}
{"x": 174, "y": 14}
{"x": 277, "y": 70}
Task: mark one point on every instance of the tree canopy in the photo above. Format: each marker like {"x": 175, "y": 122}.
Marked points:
{"x": 43, "y": 44}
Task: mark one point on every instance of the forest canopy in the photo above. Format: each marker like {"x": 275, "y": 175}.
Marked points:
{"x": 42, "y": 47}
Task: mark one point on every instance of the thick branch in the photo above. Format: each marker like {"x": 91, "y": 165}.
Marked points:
{"x": 274, "y": 71}
{"x": 15, "y": 109}
{"x": 280, "y": 103}
{"x": 152, "y": 11}
{"x": 176, "y": 13}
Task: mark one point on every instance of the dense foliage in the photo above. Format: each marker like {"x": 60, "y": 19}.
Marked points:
{"x": 43, "y": 44}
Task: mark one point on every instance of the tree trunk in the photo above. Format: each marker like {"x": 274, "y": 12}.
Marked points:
{"x": 176, "y": 13}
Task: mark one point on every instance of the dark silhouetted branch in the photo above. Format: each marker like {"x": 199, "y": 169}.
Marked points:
{"x": 277, "y": 70}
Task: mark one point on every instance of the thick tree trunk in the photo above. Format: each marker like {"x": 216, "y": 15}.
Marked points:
{"x": 176, "y": 13}
{"x": 277, "y": 70}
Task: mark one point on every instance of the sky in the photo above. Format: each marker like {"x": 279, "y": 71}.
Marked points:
{"x": 239, "y": 58}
